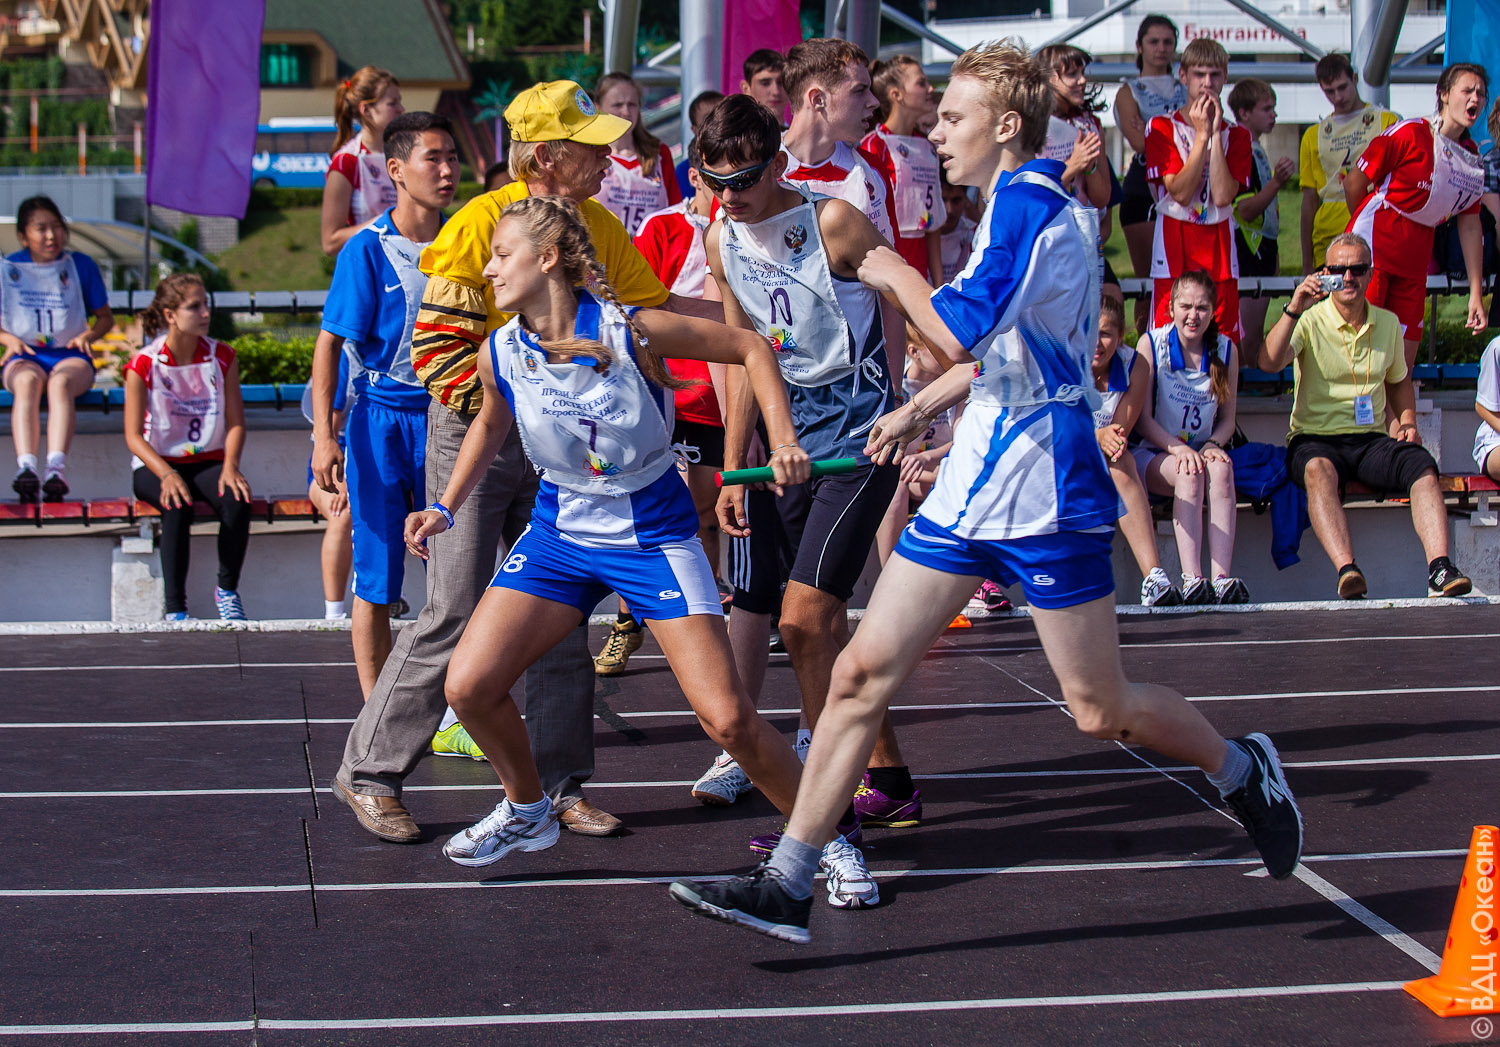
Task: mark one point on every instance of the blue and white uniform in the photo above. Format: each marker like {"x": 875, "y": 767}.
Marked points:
{"x": 1183, "y": 402}
{"x": 372, "y": 304}
{"x": 1116, "y": 385}
{"x": 47, "y": 304}
{"x": 829, "y": 340}
{"x": 1025, "y": 494}
{"x": 612, "y": 512}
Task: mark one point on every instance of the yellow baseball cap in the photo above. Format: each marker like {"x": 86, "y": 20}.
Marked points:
{"x": 560, "y": 110}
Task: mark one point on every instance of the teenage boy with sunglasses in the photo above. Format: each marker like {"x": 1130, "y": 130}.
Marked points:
{"x": 1350, "y": 364}
{"x": 787, "y": 262}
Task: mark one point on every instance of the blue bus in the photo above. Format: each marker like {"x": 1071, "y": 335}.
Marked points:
{"x": 292, "y": 152}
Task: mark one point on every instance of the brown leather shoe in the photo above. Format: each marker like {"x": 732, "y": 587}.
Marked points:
{"x": 382, "y": 816}
{"x": 585, "y": 819}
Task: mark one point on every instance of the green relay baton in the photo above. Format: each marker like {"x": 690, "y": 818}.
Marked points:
{"x": 763, "y": 475}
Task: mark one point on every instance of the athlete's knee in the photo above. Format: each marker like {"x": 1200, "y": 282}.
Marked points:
{"x": 1189, "y": 486}
{"x": 1100, "y": 709}
{"x": 731, "y": 725}
{"x": 1220, "y": 473}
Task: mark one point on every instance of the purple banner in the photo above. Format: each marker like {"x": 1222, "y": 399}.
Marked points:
{"x": 203, "y": 102}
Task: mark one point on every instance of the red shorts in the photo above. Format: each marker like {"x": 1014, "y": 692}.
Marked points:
{"x": 1406, "y": 296}
{"x": 1226, "y": 312}
{"x": 914, "y": 250}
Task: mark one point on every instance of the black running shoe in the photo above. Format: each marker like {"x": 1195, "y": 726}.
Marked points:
{"x": 1447, "y": 580}
{"x": 1267, "y": 809}
{"x": 26, "y": 485}
{"x": 757, "y": 900}
{"x": 54, "y": 488}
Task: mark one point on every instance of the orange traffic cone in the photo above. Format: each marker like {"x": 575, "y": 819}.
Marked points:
{"x": 961, "y": 622}
{"x": 1466, "y": 982}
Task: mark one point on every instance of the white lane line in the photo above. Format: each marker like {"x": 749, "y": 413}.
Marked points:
{"x": 884, "y": 1007}
{"x": 1125, "y": 644}
{"x": 957, "y": 776}
{"x": 667, "y": 713}
{"x": 165, "y": 667}
{"x": 636, "y": 881}
{"x": 1351, "y": 908}
{"x": 1387, "y": 930}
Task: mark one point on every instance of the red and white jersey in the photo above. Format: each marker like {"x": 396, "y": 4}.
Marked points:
{"x": 185, "y": 416}
{"x": 1200, "y": 236}
{"x": 1421, "y": 179}
{"x": 374, "y": 192}
{"x": 851, "y": 175}
{"x": 912, "y": 165}
{"x": 631, "y": 194}
{"x": 671, "y": 241}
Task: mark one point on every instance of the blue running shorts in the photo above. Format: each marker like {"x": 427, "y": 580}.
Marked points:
{"x": 1057, "y": 570}
{"x": 385, "y": 466}
{"x": 659, "y": 582}
{"x": 49, "y": 357}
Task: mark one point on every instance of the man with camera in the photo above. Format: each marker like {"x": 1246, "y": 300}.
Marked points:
{"x": 1350, "y": 365}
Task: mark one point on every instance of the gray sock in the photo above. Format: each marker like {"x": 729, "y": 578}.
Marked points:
{"x": 797, "y": 862}
{"x": 1234, "y": 773}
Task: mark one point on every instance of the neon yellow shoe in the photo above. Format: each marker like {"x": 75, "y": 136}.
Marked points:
{"x": 455, "y": 741}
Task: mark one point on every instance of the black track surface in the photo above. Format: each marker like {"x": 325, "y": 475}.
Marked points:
{"x": 1050, "y": 869}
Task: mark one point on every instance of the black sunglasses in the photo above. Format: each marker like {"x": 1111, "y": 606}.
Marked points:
{"x": 737, "y": 181}
{"x": 1355, "y": 271}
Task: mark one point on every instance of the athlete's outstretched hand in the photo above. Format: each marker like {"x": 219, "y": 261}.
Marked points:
{"x": 421, "y": 526}
{"x": 730, "y": 511}
{"x": 892, "y": 432}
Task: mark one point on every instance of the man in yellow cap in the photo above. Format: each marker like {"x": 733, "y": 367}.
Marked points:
{"x": 560, "y": 147}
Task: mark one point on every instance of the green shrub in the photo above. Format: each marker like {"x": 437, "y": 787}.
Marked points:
{"x": 279, "y": 198}
{"x": 266, "y": 360}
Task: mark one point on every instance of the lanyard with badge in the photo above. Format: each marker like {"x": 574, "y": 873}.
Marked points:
{"x": 1364, "y": 403}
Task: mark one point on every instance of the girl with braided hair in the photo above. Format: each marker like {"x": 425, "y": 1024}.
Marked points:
{"x": 583, "y": 378}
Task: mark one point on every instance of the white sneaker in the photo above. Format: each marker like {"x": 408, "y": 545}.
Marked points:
{"x": 1157, "y": 590}
{"x": 500, "y": 832}
{"x": 850, "y": 885}
{"x": 723, "y": 783}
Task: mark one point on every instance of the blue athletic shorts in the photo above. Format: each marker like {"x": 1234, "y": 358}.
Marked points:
{"x": 47, "y": 359}
{"x": 385, "y": 463}
{"x": 1055, "y": 570}
{"x": 659, "y": 582}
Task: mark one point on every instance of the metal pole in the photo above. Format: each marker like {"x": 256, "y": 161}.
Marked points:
{"x": 621, "y": 20}
{"x": 1381, "y": 48}
{"x": 1271, "y": 23}
{"x": 1416, "y": 57}
{"x": 1108, "y": 11}
{"x": 863, "y": 26}
{"x": 701, "y": 23}
{"x": 833, "y": 18}
{"x": 911, "y": 25}
{"x": 146, "y": 253}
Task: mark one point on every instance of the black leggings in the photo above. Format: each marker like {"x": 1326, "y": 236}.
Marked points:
{"x": 202, "y": 479}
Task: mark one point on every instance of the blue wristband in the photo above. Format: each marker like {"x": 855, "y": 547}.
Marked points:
{"x": 447, "y": 515}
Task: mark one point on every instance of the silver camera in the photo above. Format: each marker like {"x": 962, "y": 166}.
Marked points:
{"x": 1330, "y": 282}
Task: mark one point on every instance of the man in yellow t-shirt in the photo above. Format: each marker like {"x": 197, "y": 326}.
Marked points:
{"x": 560, "y": 146}
{"x": 1329, "y": 151}
{"x": 1351, "y": 363}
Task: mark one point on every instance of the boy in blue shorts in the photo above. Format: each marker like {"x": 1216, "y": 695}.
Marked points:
{"x": 1025, "y": 497}
{"x": 372, "y": 303}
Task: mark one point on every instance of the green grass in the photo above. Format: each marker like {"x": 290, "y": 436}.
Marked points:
{"x": 278, "y": 251}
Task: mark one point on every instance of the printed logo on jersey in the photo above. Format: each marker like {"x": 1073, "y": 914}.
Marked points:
{"x": 669, "y": 594}
{"x": 597, "y": 466}
{"x": 528, "y": 360}
{"x": 901, "y": 148}
{"x": 62, "y": 278}
{"x": 781, "y": 340}
{"x": 795, "y": 237}
{"x": 14, "y": 274}
{"x": 584, "y": 103}
{"x": 1043, "y": 579}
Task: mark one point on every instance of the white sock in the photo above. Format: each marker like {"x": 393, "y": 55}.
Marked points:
{"x": 333, "y": 610}
{"x": 24, "y": 462}
{"x": 449, "y": 719}
{"x": 532, "y": 811}
{"x": 57, "y": 462}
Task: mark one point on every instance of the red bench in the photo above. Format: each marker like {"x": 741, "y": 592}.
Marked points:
{"x": 276, "y": 508}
